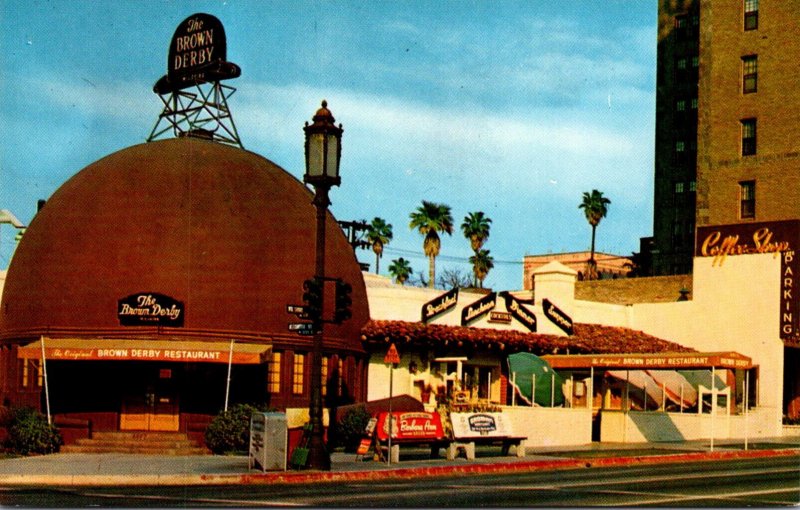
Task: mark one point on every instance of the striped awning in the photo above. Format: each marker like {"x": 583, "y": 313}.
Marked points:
{"x": 98, "y": 349}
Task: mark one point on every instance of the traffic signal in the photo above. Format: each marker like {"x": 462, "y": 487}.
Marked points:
{"x": 312, "y": 296}
{"x": 343, "y": 301}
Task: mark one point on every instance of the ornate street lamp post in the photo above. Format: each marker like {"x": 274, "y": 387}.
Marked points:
{"x": 323, "y": 152}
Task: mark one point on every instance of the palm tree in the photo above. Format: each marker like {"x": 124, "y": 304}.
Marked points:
{"x": 430, "y": 219}
{"x": 476, "y": 228}
{"x": 482, "y": 263}
{"x": 379, "y": 233}
{"x": 595, "y": 207}
{"x": 400, "y": 269}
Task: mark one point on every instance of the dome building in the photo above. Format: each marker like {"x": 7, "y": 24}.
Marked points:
{"x": 152, "y": 288}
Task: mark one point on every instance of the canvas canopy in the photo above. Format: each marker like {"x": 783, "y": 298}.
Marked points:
{"x": 534, "y": 380}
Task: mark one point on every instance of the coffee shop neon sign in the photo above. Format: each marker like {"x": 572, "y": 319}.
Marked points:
{"x": 778, "y": 238}
{"x": 714, "y": 245}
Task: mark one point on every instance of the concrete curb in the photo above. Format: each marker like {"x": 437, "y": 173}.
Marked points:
{"x": 307, "y": 477}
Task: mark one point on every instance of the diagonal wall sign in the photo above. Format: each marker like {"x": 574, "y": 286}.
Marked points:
{"x": 479, "y": 308}
{"x": 557, "y": 316}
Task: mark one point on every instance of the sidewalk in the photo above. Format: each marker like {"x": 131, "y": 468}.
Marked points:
{"x": 80, "y": 469}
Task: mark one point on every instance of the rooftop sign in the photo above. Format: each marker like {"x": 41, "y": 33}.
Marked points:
{"x": 197, "y": 54}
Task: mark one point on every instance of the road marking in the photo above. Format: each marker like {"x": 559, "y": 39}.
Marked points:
{"x": 242, "y": 502}
{"x": 674, "y": 498}
{"x": 623, "y": 481}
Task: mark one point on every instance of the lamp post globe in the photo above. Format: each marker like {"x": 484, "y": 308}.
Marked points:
{"x": 323, "y": 150}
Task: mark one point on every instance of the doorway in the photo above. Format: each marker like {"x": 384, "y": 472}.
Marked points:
{"x": 150, "y": 401}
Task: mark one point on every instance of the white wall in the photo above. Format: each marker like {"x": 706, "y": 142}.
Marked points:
{"x": 651, "y": 426}
{"x": 551, "y": 426}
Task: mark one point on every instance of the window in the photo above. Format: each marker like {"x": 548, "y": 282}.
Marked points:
{"x": 680, "y": 105}
{"x": 678, "y": 187}
{"x": 31, "y": 368}
{"x": 340, "y": 378}
{"x": 324, "y": 376}
{"x": 693, "y": 186}
{"x": 681, "y": 25}
{"x": 750, "y": 14}
{"x": 274, "y": 373}
{"x": 747, "y": 199}
{"x": 694, "y": 103}
{"x": 748, "y": 137}
{"x": 298, "y": 373}
{"x": 749, "y": 74}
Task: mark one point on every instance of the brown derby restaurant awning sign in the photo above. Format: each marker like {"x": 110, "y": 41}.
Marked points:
{"x": 781, "y": 238}
{"x": 81, "y": 349}
{"x": 639, "y": 361}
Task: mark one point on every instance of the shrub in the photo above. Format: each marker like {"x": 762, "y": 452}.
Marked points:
{"x": 350, "y": 429}
{"x": 229, "y": 431}
{"x": 29, "y": 432}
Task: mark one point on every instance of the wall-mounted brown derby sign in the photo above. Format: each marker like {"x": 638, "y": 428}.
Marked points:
{"x": 150, "y": 309}
{"x": 439, "y": 305}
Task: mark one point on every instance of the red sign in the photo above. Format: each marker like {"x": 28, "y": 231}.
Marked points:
{"x": 392, "y": 356}
{"x": 411, "y": 425}
{"x": 363, "y": 447}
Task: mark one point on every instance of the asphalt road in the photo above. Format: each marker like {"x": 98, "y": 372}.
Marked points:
{"x": 750, "y": 482}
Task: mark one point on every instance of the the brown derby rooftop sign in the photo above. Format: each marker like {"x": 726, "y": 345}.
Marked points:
{"x": 781, "y": 238}
{"x": 150, "y": 309}
{"x": 197, "y": 54}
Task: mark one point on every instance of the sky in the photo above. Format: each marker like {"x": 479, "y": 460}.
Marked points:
{"x": 512, "y": 108}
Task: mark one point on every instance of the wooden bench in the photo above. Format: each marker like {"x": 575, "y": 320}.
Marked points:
{"x": 468, "y": 445}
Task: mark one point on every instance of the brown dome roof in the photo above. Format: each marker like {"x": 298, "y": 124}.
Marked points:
{"x": 225, "y": 231}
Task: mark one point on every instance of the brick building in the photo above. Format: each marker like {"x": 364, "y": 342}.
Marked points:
{"x": 609, "y": 266}
{"x": 727, "y": 120}
{"x": 676, "y": 136}
{"x": 749, "y": 116}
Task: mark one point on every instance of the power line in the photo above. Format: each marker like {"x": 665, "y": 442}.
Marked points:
{"x": 446, "y": 258}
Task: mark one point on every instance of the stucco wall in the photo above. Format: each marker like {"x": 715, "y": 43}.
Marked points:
{"x": 546, "y": 426}
{"x": 636, "y": 426}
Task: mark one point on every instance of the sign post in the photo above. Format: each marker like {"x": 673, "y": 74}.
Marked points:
{"x": 392, "y": 358}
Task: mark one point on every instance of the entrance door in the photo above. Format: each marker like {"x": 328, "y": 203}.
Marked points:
{"x": 152, "y": 402}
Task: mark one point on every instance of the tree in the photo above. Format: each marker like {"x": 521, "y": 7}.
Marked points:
{"x": 482, "y": 263}
{"x": 595, "y": 207}
{"x": 476, "y": 228}
{"x": 430, "y": 219}
{"x": 400, "y": 269}
{"x": 454, "y": 277}
{"x": 379, "y": 233}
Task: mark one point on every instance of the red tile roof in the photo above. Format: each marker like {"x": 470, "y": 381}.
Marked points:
{"x": 588, "y": 339}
